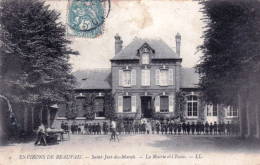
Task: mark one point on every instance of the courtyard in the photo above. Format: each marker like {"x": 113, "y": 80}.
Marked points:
{"x": 138, "y": 149}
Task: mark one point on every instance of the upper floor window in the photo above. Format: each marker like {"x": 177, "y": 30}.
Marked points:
{"x": 192, "y": 102}
{"x": 145, "y": 77}
{"x": 232, "y": 111}
{"x": 164, "y": 77}
{"x": 127, "y": 78}
{"x": 145, "y": 58}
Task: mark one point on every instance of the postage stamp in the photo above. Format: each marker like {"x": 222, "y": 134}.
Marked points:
{"x": 85, "y": 18}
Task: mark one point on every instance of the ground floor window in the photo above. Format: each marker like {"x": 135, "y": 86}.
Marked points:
{"x": 126, "y": 104}
{"x": 232, "y": 111}
{"x": 80, "y": 101}
{"x": 212, "y": 110}
{"x": 164, "y": 104}
{"x": 99, "y": 107}
{"x": 192, "y": 102}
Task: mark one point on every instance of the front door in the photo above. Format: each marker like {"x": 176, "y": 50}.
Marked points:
{"x": 146, "y": 106}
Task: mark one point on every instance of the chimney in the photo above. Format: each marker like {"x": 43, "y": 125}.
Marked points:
{"x": 178, "y": 43}
{"x": 118, "y": 43}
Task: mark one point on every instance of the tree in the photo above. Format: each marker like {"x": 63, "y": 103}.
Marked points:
{"x": 230, "y": 67}
{"x": 109, "y": 106}
{"x": 34, "y": 54}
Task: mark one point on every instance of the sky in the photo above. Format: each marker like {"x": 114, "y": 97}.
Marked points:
{"x": 138, "y": 18}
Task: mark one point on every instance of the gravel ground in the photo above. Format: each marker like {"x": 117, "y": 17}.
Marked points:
{"x": 137, "y": 149}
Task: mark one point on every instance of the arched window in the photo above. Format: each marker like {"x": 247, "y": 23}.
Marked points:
{"x": 192, "y": 102}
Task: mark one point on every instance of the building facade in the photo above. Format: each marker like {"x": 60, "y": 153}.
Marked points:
{"x": 144, "y": 79}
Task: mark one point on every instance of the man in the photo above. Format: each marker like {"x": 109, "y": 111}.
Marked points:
{"x": 62, "y": 126}
{"x": 228, "y": 126}
{"x": 184, "y": 128}
{"x": 175, "y": 127}
{"x": 211, "y": 127}
{"x": 207, "y": 128}
{"x": 215, "y": 128}
{"x": 157, "y": 126}
{"x": 166, "y": 128}
{"x": 197, "y": 126}
{"x": 41, "y": 135}
{"x": 192, "y": 128}
{"x": 188, "y": 128}
{"x": 179, "y": 128}
{"x": 113, "y": 131}
{"x": 170, "y": 127}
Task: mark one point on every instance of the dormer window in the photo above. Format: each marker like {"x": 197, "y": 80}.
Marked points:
{"x": 145, "y": 58}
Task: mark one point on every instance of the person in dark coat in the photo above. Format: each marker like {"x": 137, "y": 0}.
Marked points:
{"x": 166, "y": 128}
{"x": 179, "y": 128}
{"x": 211, "y": 127}
{"x": 215, "y": 128}
{"x": 223, "y": 128}
{"x": 197, "y": 126}
{"x": 219, "y": 128}
{"x": 136, "y": 127}
{"x": 228, "y": 126}
{"x": 62, "y": 126}
{"x": 170, "y": 127}
{"x": 188, "y": 128}
{"x": 162, "y": 128}
{"x": 193, "y": 128}
{"x": 99, "y": 129}
{"x": 207, "y": 128}
{"x": 202, "y": 128}
{"x": 175, "y": 127}
{"x": 184, "y": 129}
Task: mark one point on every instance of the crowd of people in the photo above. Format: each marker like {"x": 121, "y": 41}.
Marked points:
{"x": 154, "y": 127}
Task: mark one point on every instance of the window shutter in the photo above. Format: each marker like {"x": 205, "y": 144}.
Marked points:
{"x": 147, "y": 77}
{"x": 133, "y": 77}
{"x": 133, "y": 103}
{"x": 157, "y": 104}
{"x": 120, "y": 103}
{"x": 170, "y": 76}
{"x": 157, "y": 77}
{"x": 171, "y": 103}
{"x": 143, "y": 77}
{"x": 120, "y": 77}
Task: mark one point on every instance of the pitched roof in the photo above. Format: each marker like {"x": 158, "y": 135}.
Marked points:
{"x": 162, "y": 50}
{"x": 93, "y": 79}
{"x": 189, "y": 78}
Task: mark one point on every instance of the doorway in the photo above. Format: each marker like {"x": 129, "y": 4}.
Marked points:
{"x": 146, "y": 105}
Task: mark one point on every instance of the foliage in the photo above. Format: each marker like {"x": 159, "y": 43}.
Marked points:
{"x": 109, "y": 106}
{"x": 34, "y": 53}
{"x": 180, "y": 105}
{"x": 231, "y": 61}
{"x": 201, "y": 111}
{"x": 89, "y": 105}
{"x": 71, "y": 110}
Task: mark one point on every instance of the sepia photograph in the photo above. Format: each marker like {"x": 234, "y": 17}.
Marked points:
{"x": 163, "y": 82}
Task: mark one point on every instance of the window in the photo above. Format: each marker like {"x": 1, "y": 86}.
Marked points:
{"x": 127, "y": 78}
{"x": 80, "y": 101}
{"x": 145, "y": 58}
{"x": 215, "y": 110}
{"x": 126, "y": 104}
{"x": 232, "y": 111}
{"x": 163, "y": 77}
{"x": 164, "y": 103}
{"x": 145, "y": 77}
{"x": 192, "y": 105}
{"x": 212, "y": 110}
{"x": 99, "y": 105}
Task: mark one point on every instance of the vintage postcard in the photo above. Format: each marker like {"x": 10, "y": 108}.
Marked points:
{"x": 129, "y": 82}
